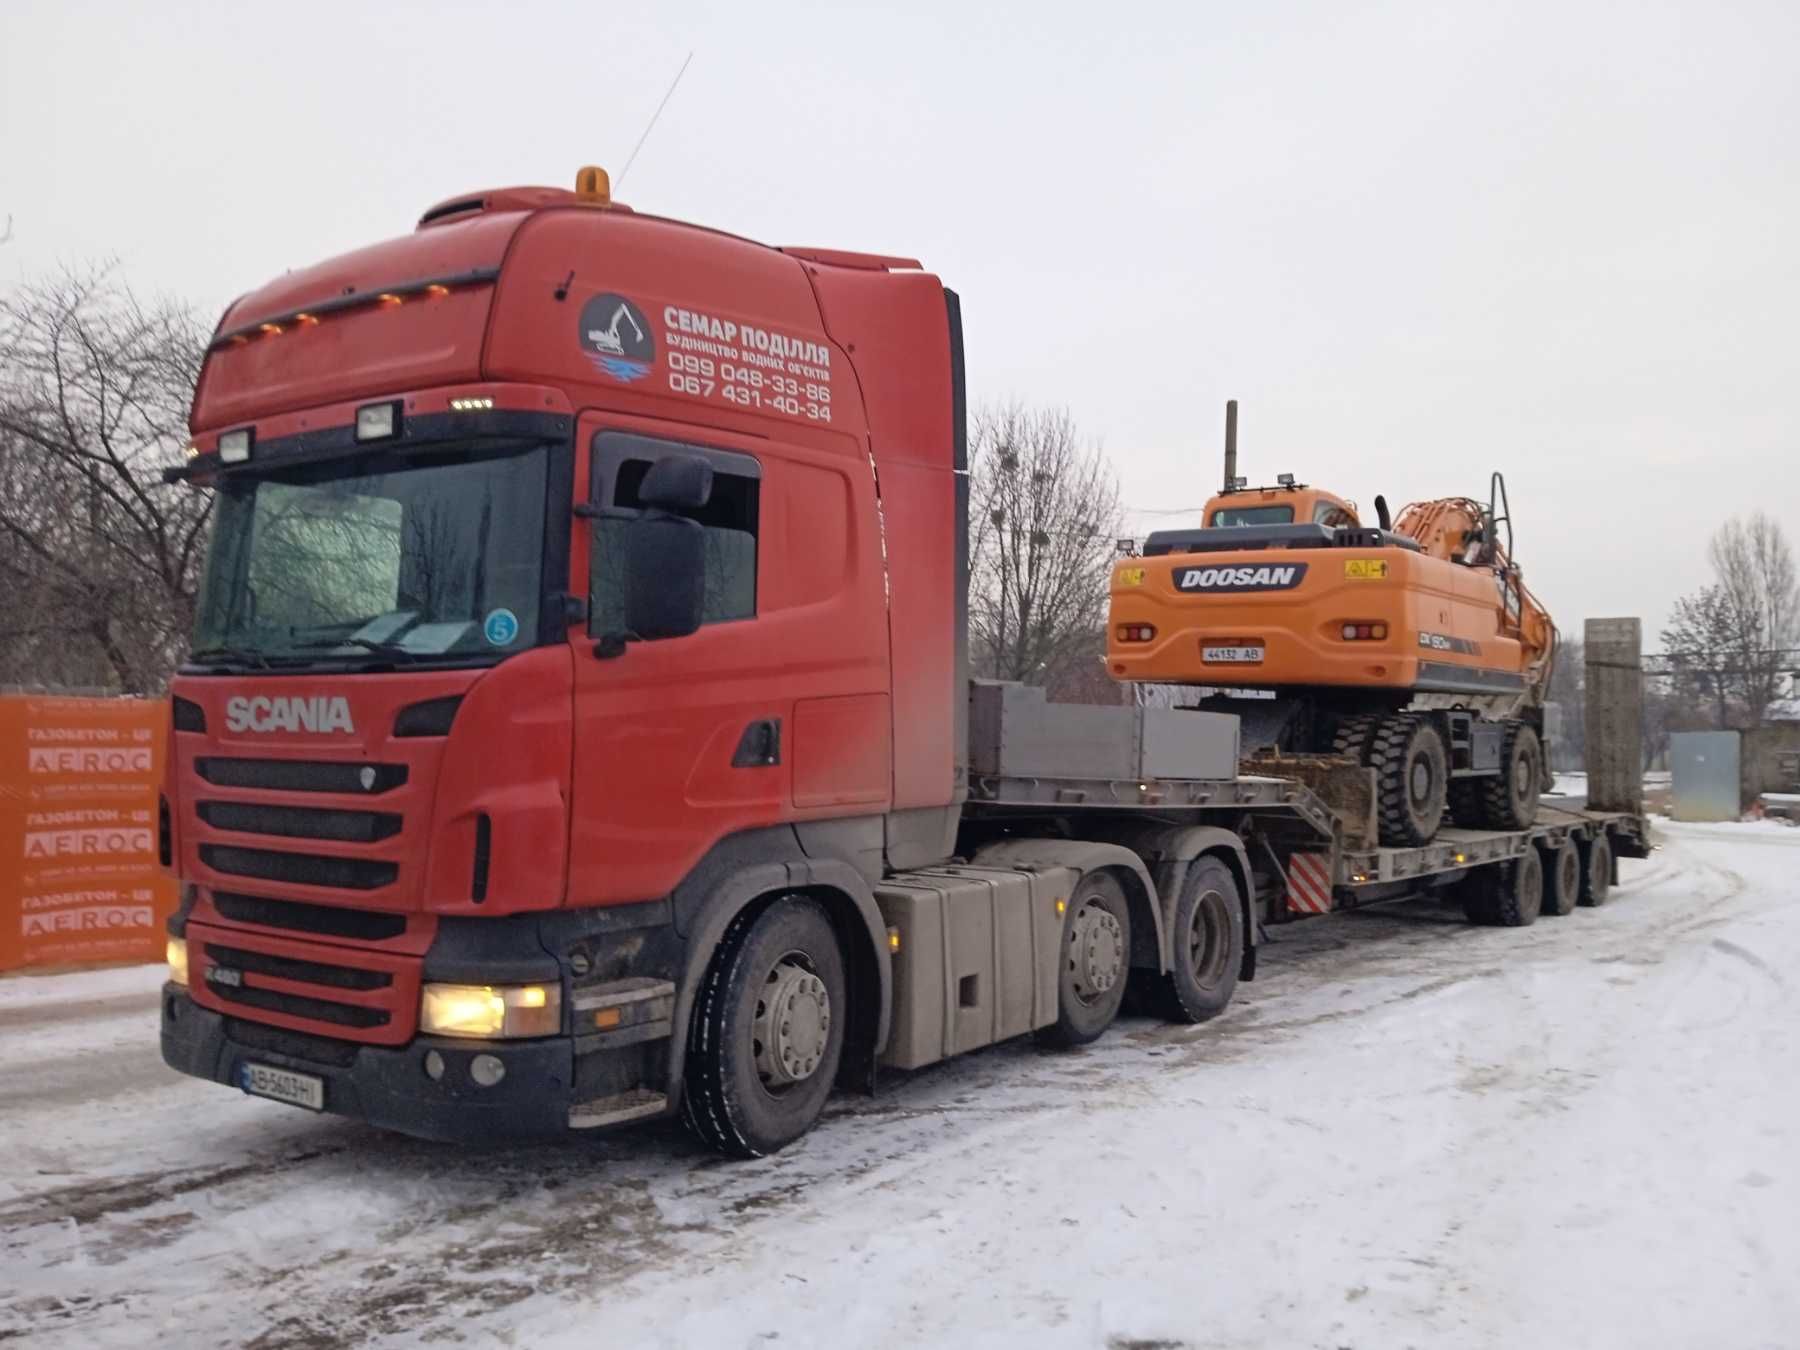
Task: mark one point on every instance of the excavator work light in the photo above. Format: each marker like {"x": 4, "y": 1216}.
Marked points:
{"x": 234, "y": 447}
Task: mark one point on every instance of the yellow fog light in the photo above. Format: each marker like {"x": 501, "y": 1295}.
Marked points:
{"x": 490, "y": 1011}
{"x": 176, "y": 952}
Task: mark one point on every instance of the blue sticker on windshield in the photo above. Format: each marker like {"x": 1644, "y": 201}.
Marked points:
{"x": 500, "y": 627}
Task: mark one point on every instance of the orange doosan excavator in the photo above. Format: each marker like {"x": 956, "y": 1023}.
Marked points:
{"x": 1411, "y": 646}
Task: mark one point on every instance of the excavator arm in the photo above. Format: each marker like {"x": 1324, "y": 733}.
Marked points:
{"x": 1462, "y": 530}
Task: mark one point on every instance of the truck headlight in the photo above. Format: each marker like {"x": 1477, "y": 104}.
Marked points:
{"x": 176, "y": 952}
{"x": 490, "y": 1012}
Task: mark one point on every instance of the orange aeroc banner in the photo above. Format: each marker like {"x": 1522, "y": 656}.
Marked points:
{"x": 81, "y": 884}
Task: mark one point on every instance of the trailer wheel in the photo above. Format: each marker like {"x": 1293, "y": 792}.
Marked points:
{"x": 1096, "y": 959}
{"x": 1506, "y": 895}
{"x": 767, "y": 1030}
{"x": 1596, "y": 870}
{"x": 1411, "y": 780}
{"x": 1206, "y": 944}
{"x": 1562, "y": 878}
{"x": 1509, "y": 799}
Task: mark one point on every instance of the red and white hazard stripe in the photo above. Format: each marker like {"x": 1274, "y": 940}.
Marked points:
{"x": 1309, "y": 883}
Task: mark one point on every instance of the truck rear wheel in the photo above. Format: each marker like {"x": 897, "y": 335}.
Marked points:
{"x": 1562, "y": 878}
{"x": 767, "y": 1030}
{"x": 1207, "y": 944}
{"x": 1596, "y": 870}
{"x": 1096, "y": 958}
{"x": 1509, "y": 800}
{"x": 1411, "y": 780}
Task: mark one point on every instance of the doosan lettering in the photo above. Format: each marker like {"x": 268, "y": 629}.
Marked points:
{"x": 319, "y": 713}
{"x": 1266, "y": 577}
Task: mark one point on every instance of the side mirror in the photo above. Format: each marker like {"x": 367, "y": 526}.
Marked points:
{"x": 664, "y": 573}
{"x": 677, "y": 483}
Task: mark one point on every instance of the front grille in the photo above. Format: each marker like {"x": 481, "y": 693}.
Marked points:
{"x": 294, "y": 1044}
{"x": 300, "y": 869}
{"x": 295, "y": 1005}
{"x": 300, "y": 775}
{"x": 299, "y": 971}
{"x": 298, "y": 917}
{"x": 301, "y": 822}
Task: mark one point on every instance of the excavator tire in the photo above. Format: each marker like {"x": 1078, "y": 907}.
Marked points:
{"x": 1465, "y": 803}
{"x": 1411, "y": 779}
{"x": 1509, "y": 800}
{"x": 1354, "y": 734}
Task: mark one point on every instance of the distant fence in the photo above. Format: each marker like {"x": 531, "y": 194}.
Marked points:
{"x": 79, "y": 879}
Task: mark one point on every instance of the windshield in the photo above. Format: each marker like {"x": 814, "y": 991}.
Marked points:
{"x": 415, "y": 558}
{"x": 1253, "y": 515}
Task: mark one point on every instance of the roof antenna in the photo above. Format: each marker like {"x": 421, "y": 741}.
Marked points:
{"x": 653, "y": 116}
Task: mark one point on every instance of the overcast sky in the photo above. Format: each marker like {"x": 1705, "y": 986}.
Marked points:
{"x": 1418, "y": 241}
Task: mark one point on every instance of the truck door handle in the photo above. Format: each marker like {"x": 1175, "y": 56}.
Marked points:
{"x": 760, "y": 745}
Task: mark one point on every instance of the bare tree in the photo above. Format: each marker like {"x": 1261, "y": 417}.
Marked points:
{"x": 1044, "y": 518}
{"x": 1755, "y": 565}
{"x": 100, "y": 557}
{"x": 1733, "y": 643}
{"x": 1568, "y": 688}
{"x": 1700, "y": 642}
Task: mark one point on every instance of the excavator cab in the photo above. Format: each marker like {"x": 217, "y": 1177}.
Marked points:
{"x": 1287, "y": 503}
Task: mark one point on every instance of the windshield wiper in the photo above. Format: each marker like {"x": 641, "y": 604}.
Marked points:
{"x": 248, "y": 656}
{"x": 367, "y": 644}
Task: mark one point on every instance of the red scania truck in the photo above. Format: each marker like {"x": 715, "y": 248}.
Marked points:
{"x": 578, "y": 728}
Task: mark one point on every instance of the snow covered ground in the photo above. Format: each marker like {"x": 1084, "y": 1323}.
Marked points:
{"x": 1406, "y": 1132}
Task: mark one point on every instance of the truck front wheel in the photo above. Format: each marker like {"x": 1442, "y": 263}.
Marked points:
{"x": 1096, "y": 959}
{"x": 767, "y": 1030}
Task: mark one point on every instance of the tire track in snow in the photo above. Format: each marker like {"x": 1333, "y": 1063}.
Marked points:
{"x": 500, "y": 1226}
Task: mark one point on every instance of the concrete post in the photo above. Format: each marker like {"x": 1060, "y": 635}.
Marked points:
{"x": 1615, "y": 715}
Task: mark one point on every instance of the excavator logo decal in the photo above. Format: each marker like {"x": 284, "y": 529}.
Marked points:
{"x": 616, "y": 336}
{"x": 1268, "y": 577}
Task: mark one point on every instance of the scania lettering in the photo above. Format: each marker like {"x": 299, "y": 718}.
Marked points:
{"x": 656, "y": 781}
{"x": 288, "y": 714}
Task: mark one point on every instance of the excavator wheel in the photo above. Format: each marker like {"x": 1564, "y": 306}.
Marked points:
{"x": 1509, "y": 800}
{"x": 1354, "y": 735}
{"x": 1465, "y": 803}
{"x": 1411, "y": 780}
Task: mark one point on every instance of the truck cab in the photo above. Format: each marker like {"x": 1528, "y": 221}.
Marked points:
{"x": 573, "y": 573}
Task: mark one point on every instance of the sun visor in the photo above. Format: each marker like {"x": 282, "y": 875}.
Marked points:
{"x": 403, "y": 314}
